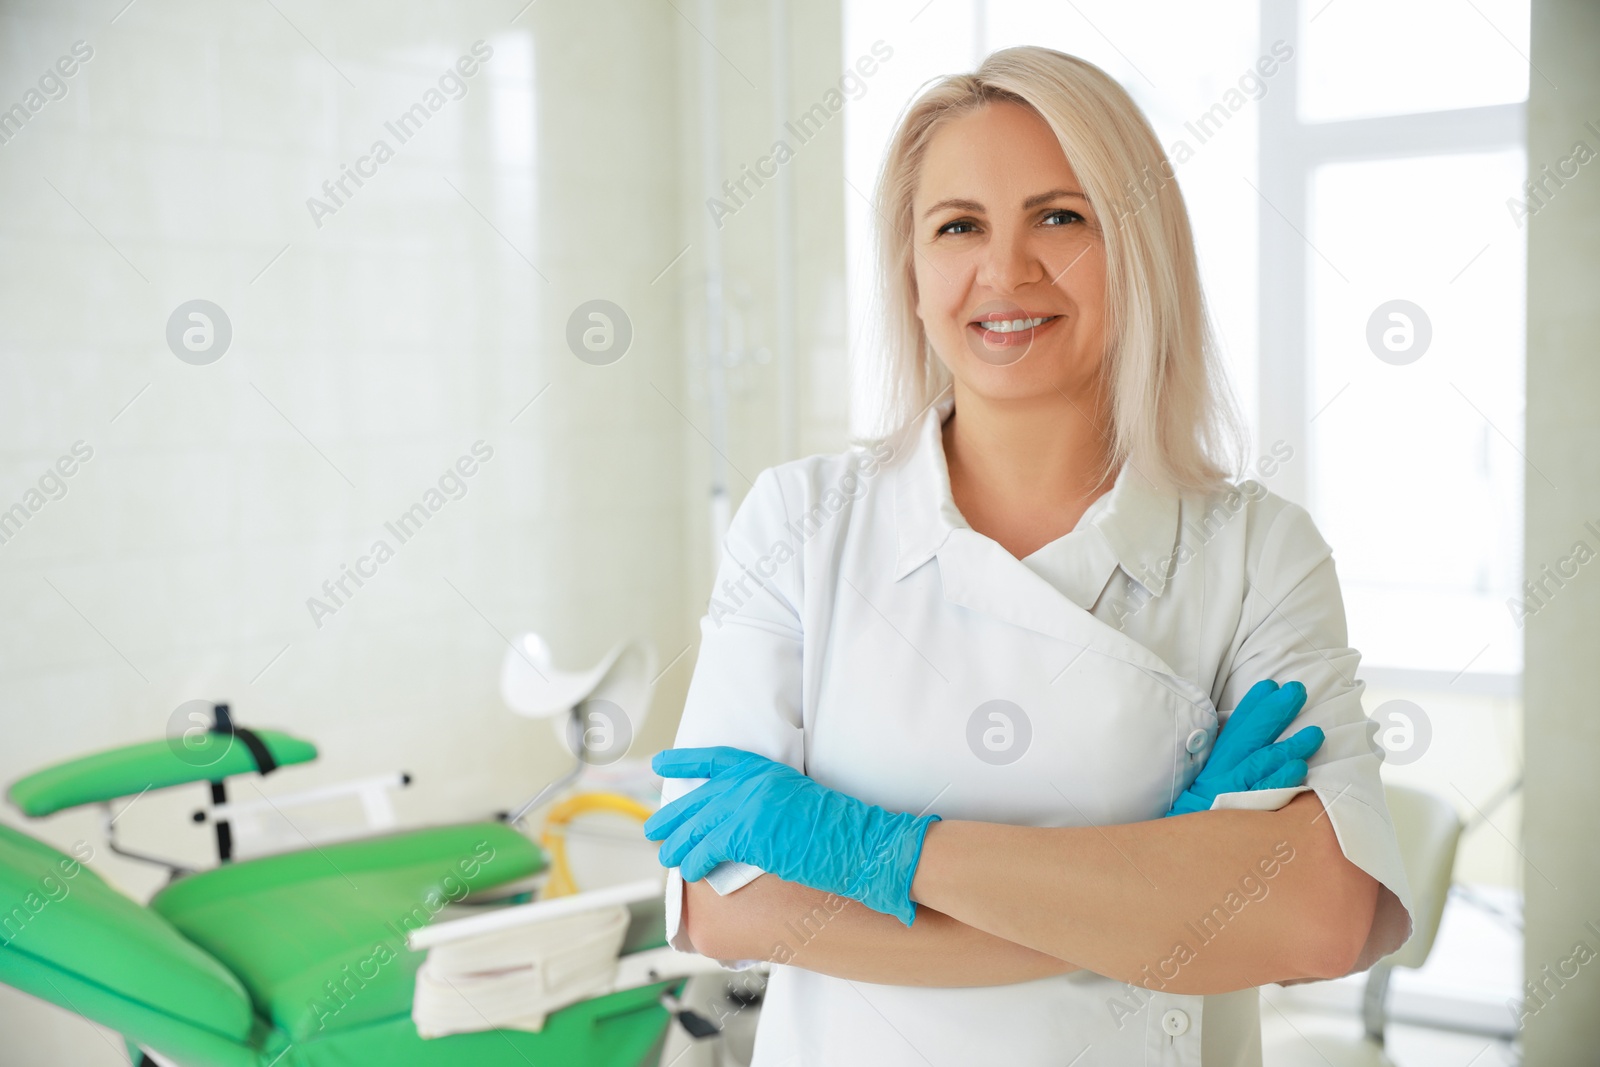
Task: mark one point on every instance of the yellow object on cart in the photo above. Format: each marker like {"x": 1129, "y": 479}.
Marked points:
{"x": 554, "y": 837}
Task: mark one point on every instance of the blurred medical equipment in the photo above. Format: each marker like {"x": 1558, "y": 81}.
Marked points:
{"x": 596, "y": 712}
{"x": 211, "y": 752}
{"x": 300, "y": 959}
{"x": 306, "y": 957}
{"x": 1427, "y": 828}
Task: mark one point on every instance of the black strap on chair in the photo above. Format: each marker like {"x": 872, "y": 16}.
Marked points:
{"x": 259, "y": 752}
{"x": 222, "y": 723}
{"x": 265, "y": 764}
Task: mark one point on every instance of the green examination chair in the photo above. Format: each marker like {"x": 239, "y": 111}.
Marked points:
{"x": 207, "y": 753}
{"x": 298, "y": 959}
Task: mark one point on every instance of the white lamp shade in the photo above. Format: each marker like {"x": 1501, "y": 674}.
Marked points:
{"x": 531, "y": 685}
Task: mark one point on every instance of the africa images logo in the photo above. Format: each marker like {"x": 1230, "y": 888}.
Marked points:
{"x": 408, "y": 124}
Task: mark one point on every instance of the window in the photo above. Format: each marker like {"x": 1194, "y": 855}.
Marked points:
{"x": 1393, "y": 271}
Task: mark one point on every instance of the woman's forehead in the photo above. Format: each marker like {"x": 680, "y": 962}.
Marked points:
{"x": 997, "y": 160}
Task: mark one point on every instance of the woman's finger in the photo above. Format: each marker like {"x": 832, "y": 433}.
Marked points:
{"x": 1256, "y": 766}
{"x": 1266, "y": 762}
{"x": 699, "y": 762}
{"x": 1302, "y": 744}
{"x": 1290, "y": 774}
{"x": 1233, "y": 742}
{"x": 1244, "y": 731}
{"x": 1254, "y": 724}
{"x": 667, "y": 818}
{"x": 712, "y": 850}
{"x": 687, "y": 834}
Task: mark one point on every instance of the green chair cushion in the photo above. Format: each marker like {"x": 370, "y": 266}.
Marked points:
{"x": 288, "y": 923}
{"x": 318, "y": 937}
{"x": 131, "y": 769}
{"x": 624, "y": 1029}
{"x": 57, "y": 917}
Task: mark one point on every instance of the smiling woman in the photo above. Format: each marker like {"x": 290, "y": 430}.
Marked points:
{"x": 978, "y": 738}
{"x": 1061, "y": 148}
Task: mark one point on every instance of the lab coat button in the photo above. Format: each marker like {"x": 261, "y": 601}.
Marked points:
{"x": 1175, "y": 1022}
{"x": 1197, "y": 741}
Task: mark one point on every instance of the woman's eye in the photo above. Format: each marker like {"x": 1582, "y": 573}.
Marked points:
{"x": 1068, "y": 216}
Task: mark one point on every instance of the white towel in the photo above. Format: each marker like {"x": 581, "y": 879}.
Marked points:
{"x": 512, "y": 979}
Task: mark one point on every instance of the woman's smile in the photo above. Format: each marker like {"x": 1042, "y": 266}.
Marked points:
{"x": 1008, "y": 333}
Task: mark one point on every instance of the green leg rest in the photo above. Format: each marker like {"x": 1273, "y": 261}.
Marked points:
{"x": 624, "y": 1029}
{"x": 191, "y": 1045}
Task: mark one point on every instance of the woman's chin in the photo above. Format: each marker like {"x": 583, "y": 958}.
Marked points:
{"x": 1004, "y": 384}
{"x": 1039, "y": 373}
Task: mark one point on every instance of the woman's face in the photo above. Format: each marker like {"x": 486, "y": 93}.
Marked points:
{"x": 1002, "y": 231}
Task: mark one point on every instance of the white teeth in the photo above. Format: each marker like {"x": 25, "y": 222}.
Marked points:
{"x": 1013, "y": 325}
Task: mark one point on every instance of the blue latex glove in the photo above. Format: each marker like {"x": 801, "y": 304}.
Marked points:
{"x": 1244, "y": 758}
{"x": 759, "y": 811}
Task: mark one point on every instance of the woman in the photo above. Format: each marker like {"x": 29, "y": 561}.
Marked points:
{"x": 951, "y": 682}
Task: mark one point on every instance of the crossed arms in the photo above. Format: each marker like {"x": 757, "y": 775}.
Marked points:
{"x": 1001, "y": 904}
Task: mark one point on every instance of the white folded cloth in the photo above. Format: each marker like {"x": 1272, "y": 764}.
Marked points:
{"x": 512, "y": 979}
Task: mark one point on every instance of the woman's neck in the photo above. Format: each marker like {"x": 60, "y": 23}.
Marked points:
{"x": 1023, "y": 472}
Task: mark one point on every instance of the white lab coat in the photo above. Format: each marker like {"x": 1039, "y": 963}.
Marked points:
{"x": 859, "y": 631}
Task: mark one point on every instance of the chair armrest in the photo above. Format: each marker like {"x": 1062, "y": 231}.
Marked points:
{"x": 521, "y": 915}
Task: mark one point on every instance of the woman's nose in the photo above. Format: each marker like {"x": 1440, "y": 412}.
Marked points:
{"x": 1010, "y": 262}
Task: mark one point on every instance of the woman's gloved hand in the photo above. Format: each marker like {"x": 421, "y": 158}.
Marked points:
{"x": 1244, "y": 758}
{"x": 759, "y": 811}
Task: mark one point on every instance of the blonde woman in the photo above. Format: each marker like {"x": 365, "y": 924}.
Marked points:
{"x": 954, "y": 680}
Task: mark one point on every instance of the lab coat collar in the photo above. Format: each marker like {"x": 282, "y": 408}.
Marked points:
{"x": 1138, "y": 522}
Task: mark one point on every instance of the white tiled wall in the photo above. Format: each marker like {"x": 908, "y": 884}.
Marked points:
{"x": 367, "y": 355}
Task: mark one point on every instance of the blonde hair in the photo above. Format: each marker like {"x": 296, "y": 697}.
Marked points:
{"x": 1171, "y": 411}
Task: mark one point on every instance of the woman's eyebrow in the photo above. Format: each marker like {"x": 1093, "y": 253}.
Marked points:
{"x": 1037, "y": 200}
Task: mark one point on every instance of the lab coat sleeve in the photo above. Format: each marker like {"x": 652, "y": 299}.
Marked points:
{"x": 745, "y": 691}
{"x": 1292, "y": 627}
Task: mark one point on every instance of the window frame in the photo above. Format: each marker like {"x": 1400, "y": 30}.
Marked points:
{"x": 1289, "y": 153}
